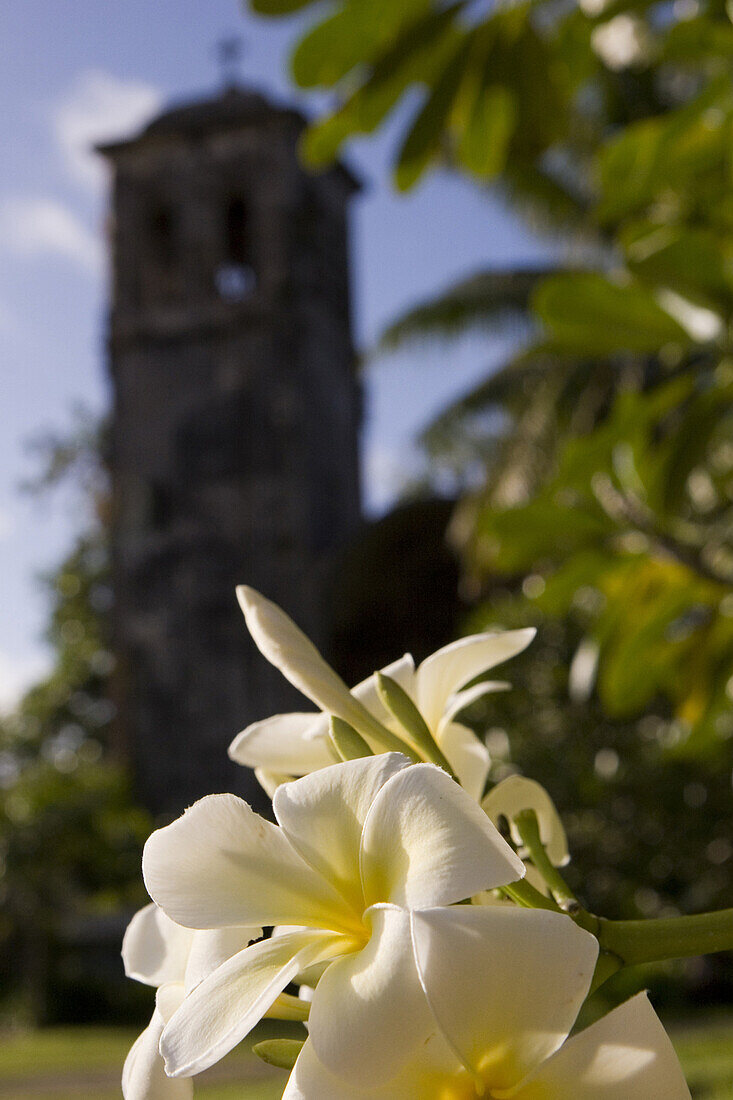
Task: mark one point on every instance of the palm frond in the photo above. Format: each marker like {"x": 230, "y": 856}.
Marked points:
{"x": 485, "y": 300}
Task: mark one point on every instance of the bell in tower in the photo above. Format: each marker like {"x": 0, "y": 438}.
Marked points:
{"x": 235, "y": 423}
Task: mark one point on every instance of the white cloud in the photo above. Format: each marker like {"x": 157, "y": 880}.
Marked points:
{"x": 33, "y": 227}
{"x": 99, "y": 107}
{"x": 17, "y": 674}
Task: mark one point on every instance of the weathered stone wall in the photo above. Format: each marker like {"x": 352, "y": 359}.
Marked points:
{"x": 236, "y": 415}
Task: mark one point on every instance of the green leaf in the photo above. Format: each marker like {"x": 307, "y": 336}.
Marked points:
{"x": 484, "y": 300}
{"x": 670, "y": 157}
{"x": 588, "y": 313}
{"x": 401, "y": 706}
{"x": 516, "y": 539}
{"x": 279, "y": 7}
{"x": 693, "y": 262}
{"x": 423, "y": 141}
{"x": 349, "y": 744}
{"x": 646, "y": 597}
{"x": 581, "y": 571}
{"x": 354, "y": 35}
{"x": 485, "y": 140}
{"x": 689, "y": 442}
{"x": 321, "y": 142}
{"x": 420, "y": 51}
{"x": 700, "y": 39}
{"x": 282, "y": 1053}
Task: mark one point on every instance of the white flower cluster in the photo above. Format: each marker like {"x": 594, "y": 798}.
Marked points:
{"x": 411, "y": 993}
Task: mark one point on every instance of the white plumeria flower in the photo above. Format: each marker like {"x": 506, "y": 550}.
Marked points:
{"x": 288, "y": 745}
{"x": 158, "y": 952}
{"x": 516, "y": 794}
{"x": 143, "y": 1075}
{"x": 496, "y": 897}
{"x": 359, "y": 845}
{"x": 505, "y": 988}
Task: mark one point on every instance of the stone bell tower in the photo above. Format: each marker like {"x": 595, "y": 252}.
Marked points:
{"x": 235, "y": 422}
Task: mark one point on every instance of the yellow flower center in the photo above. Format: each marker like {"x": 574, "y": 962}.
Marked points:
{"x": 463, "y": 1089}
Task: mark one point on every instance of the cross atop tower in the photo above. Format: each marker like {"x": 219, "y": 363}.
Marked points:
{"x": 229, "y": 52}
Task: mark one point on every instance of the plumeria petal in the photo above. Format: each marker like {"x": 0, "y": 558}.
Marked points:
{"x": 494, "y": 897}
{"x": 286, "y": 646}
{"x": 212, "y": 947}
{"x": 426, "y": 842}
{"x": 626, "y": 1055}
{"x": 368, "y": 1011}
{"x": 227, "y": 1004}
{"x": 270, "y": 781}
{"x": 517, "y": 793}
{"x": 453, "y": 666}
{"x": 462, "y": 699}
{"x": 310, "y": 1078}
{"x": 434, "y": 1074}
{"x": 143, "y": 1075}
{"x": 323, "y": 814}
{"x": 280, "y": 744}
{"x": 155, "y": 950}
{"x": 467, "y": 755}
{"x": 222, "y": 864}
{"x": 540, "y": 966}
{"x": 402, "y": 670}
{"x": 312, "y": 974}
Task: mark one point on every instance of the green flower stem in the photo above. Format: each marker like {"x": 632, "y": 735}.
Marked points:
{"x": 529, "y": 830}
{"x": 606, "y": 967}
{"x": 639, "y": 941}
{"x": 399, "y": 704}
{"x": 626, "y": 942}
{"x": 526, "y": 895}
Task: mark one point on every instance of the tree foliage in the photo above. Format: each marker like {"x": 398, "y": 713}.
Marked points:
{"x": 615, "y": 471}
{"x": 70, "y": 835}
{"x": 605, "y": 509}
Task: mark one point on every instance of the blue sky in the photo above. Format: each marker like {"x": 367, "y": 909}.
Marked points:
{"x": 76, "y": 71}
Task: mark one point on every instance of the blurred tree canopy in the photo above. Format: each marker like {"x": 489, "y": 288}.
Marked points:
{"x": 605, "y": 444}
{"x": 70, "y": 835}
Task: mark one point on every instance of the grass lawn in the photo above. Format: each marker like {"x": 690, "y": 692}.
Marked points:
{"x": 706, "y": 1052}
{"x": 84, "y": 1063}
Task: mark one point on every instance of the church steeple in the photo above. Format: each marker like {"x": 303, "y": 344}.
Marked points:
{"x": 236, "y": 414}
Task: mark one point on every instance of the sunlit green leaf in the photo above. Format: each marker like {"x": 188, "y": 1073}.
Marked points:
{"x": 353, "y": 35}
{"x": 690, "y": 261}
{"x": 484, "y": 301}
{"x": 414, "y": 56}
{"x": 423, "y": 141}
{"x": 588, "y": 313}
{"x": 661, "y": 157}
{"x": 485, "y": 139}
